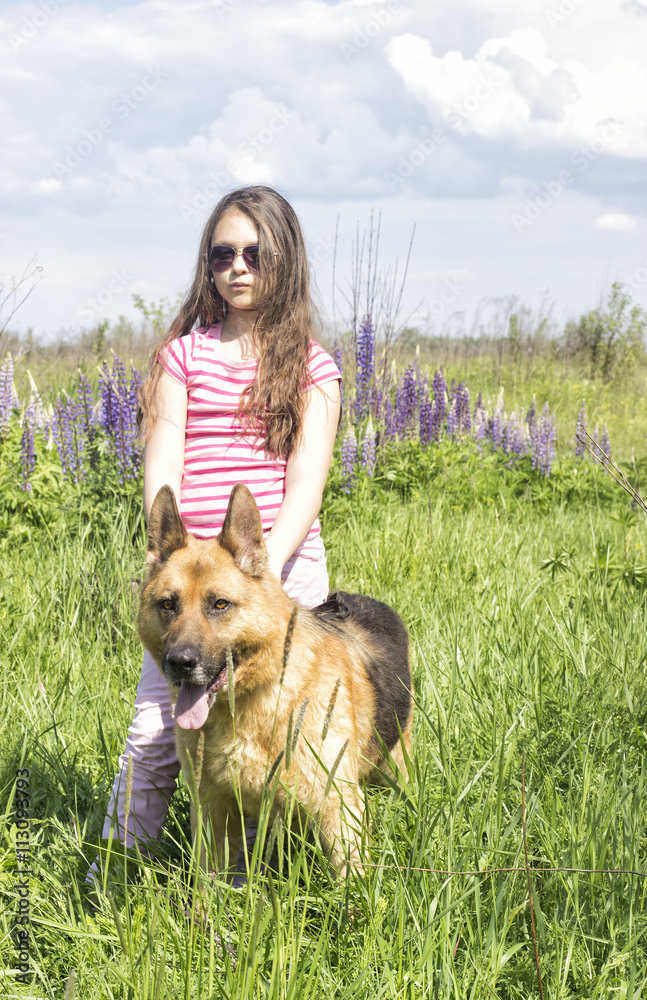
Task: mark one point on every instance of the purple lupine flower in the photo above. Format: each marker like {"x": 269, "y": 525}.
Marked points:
{"x": 86, "y": 407}
{"x": 369, "y": 448}
{"x": 480, "y": 420}
{"x": 426, "y": 421}
{"x": 410, "y": 392}
{"x": 134, "y": 387}
{"x": 349, "y": 459}
{"x": 27, "y": 451}
{"x": 33, "y": 419}
{"x": 364, "y": 367}
{"x": 118, "y": 416}
{"x": 531, "y": 417}
{"x": 580, "y": 432}
{"x": 495, "y": 423}
{"x": 8, "y": 398}
{"x": 68, "y": 437}
{"x": 87, "y": 414}
{"x": 337, "y": 357}
{"x": 422, "y": 380}
{"x": 439, "y": 389}
{"x": 459, "y": 419}
{"x": 122, "y": 418}
{"x": 108, "y": 401}
{"x": 495, "y": 428}
{"x": 135, "y": 450}
{"x": 452, "y": 418}
{"x": 423, "y": 388}
{"x": 405, "y": 402}
{"x": 521, "y": 443}
{"x": 515, "y": 435}
{"x": 542, "y": 443}
{"x": 464, "y": 412}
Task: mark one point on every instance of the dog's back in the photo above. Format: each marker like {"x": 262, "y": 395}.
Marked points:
{"x": 384, "y": 640}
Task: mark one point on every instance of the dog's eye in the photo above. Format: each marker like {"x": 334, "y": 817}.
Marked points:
{"x": 167, "y": 604}
{"x": 221, "y": 604}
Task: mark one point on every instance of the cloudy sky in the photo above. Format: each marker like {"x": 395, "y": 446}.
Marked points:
{"x": 512, "y": 133}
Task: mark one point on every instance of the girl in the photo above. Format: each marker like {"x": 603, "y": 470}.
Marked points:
{"x": 247, "y": 396}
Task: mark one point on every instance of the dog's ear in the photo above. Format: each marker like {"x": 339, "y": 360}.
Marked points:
{"x": 242, "y": 532}
{"x": 166, "y": 533}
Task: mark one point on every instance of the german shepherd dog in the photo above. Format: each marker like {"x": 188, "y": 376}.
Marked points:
{"x": 319, "y": 696}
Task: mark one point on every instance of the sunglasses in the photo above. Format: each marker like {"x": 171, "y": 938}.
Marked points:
{"x": 221, "y": 258}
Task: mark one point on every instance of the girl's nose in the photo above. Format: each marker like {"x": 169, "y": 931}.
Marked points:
{"x": 238, "y": 263}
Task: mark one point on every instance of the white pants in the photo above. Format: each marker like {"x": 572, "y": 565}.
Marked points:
{"x": 151, "y": 738}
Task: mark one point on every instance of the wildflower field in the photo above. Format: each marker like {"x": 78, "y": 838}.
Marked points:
{"x": 513, "y": 862}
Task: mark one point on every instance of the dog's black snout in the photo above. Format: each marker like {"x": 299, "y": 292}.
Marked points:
{"x": 182, "y": 660}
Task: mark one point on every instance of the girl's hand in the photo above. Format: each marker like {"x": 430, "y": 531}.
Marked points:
{"x": 275, "y": 568}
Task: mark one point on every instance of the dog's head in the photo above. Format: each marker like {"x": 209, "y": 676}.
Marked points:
{"x": 202, "y": 596}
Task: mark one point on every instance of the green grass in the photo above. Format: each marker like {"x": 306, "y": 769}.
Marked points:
{"x": 527, "y": 624}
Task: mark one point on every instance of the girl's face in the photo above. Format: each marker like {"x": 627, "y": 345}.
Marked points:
{"x": 240, "y": 287}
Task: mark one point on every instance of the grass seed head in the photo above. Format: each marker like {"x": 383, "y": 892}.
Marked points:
{"x": 199, "y": 758}
{"x": 288, "y": 642}
{"x": 297, "y": 729}
{"x": 230, "y": 681}
{"x": 288, "y": 741}
{"x": 274, "y": 768}
{"x": 333, "y": 769}
{"x": 330, "y": 710}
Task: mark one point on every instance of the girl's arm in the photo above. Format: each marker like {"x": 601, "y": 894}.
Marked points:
{"x": 305, "y": 474}
{"x": 164, "y": 454}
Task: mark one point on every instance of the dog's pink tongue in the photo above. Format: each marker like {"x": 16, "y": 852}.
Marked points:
{"x": 192, "y": 707}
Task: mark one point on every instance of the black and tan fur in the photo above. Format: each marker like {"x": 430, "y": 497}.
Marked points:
{"x": 201, "y": 597}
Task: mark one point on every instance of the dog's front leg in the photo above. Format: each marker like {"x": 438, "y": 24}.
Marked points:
{"x": 340, "y": 823}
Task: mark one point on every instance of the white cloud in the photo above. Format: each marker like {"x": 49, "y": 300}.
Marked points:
{"x": 616, "y": 222}
{"x": 513, "y": 89}
{"x": 461, "y": 109}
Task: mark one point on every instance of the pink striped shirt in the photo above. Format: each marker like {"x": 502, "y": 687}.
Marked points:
{"x": 219, "y": 451}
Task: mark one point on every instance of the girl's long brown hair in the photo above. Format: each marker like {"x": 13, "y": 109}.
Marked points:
{"x": 273, "y": 403}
